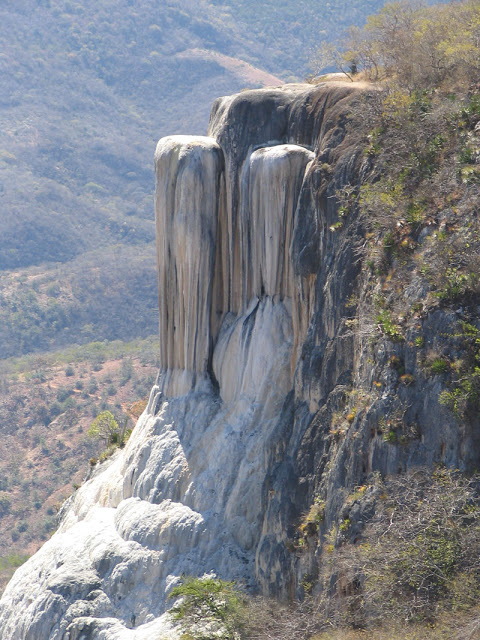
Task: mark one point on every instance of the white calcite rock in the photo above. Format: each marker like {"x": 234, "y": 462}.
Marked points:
{"x": 195, "y": 269}
{"x": 271, "y": 181}
{"x": 188, "y": 195}
{"x": 186, "y": 495}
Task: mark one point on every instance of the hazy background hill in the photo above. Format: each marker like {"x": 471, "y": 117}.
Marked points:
{"x": 86, "y": 90}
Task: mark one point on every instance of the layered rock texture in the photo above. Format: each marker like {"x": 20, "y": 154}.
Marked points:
{"x": 261, "y": 345}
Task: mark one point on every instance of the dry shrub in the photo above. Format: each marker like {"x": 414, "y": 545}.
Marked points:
{"x": 419, "y": 556}
{"x": 414, "y": 575}
{"x": 270, "y": 620}
{"x": 418, "y": 46}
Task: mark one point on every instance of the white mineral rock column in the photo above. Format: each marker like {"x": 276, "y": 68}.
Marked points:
{"x": 271, "y": 182}
{"x": 189, "y": 188}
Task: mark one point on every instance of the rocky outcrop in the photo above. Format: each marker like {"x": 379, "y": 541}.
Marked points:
{"x": 265, "y": 338}
{"x": 190, "y": 187}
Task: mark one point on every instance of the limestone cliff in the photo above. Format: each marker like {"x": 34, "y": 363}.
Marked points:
{"x": 260, "y": 345}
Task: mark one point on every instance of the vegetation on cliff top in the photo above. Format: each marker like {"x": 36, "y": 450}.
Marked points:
{"x": 418, "y": 205}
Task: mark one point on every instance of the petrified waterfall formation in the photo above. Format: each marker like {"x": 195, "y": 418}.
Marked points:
{"x": 214, "y": 256}
{"x": 251, "y": 291}
{"x": 189, "y": 174}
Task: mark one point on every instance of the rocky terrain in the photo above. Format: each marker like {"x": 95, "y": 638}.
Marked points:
{"x": 238, "y": 439}
{"x": 186, "y": 478}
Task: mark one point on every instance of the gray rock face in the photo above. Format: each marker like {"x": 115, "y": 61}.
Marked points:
{"x": 257, "y": 355}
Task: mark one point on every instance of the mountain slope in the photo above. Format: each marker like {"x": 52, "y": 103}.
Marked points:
{"x": 306, "y": 362}
{"x": 86, "y": 90}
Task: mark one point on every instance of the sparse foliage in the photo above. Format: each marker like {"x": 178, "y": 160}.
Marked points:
{"x": 208, "y": 608}
{"x": 269, "y": 620}
{"x": 463, "y": 396}
{"x": 419, "y": 554}
{"x": 420, "y": 127}
{"x": 105, "y": 428}
{"x": 414, "y": 45}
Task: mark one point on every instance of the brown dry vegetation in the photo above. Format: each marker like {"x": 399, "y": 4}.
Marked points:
{"x": 269, "y": 622}
{"x": 47, "y": 404}
{"x": 412, "y": 574}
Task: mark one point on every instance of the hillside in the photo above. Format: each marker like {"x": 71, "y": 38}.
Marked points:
{"x": 313, "y": 434}
{"x": 86, "y": 90}
{"x": 318, "y": 439}
{"x": 47, "y": 404}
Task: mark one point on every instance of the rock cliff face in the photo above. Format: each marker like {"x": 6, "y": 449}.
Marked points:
{"x": 264, "y": 337}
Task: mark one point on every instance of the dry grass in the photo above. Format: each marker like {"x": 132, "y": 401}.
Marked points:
{"x": 448, "y": 627}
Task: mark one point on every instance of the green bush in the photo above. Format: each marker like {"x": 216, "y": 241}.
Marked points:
{"x": 463, "y": 396}
{"x": 208, "y": 608}
{"x": 388, "y": 326}
{"x": 105, "y": 428}
{"x": 63, "y": 393}
{"x": 12, "y": 561}
{"x": 22, "y": 526}
{"x": 5, "y": 504}
{"x": 92, "y": 386}
{"x": 438, "y": 366}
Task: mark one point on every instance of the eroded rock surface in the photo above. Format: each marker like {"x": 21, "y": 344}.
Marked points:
{"x": 188, "y": 196}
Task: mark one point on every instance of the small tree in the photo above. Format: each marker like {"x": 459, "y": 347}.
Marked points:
{"x": 415, "y": 45}
{"x": 209, "y": 608}
{"x": 105, "y": 428}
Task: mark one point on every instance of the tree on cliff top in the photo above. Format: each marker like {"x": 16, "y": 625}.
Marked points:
{"x": 414, "y": 45}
